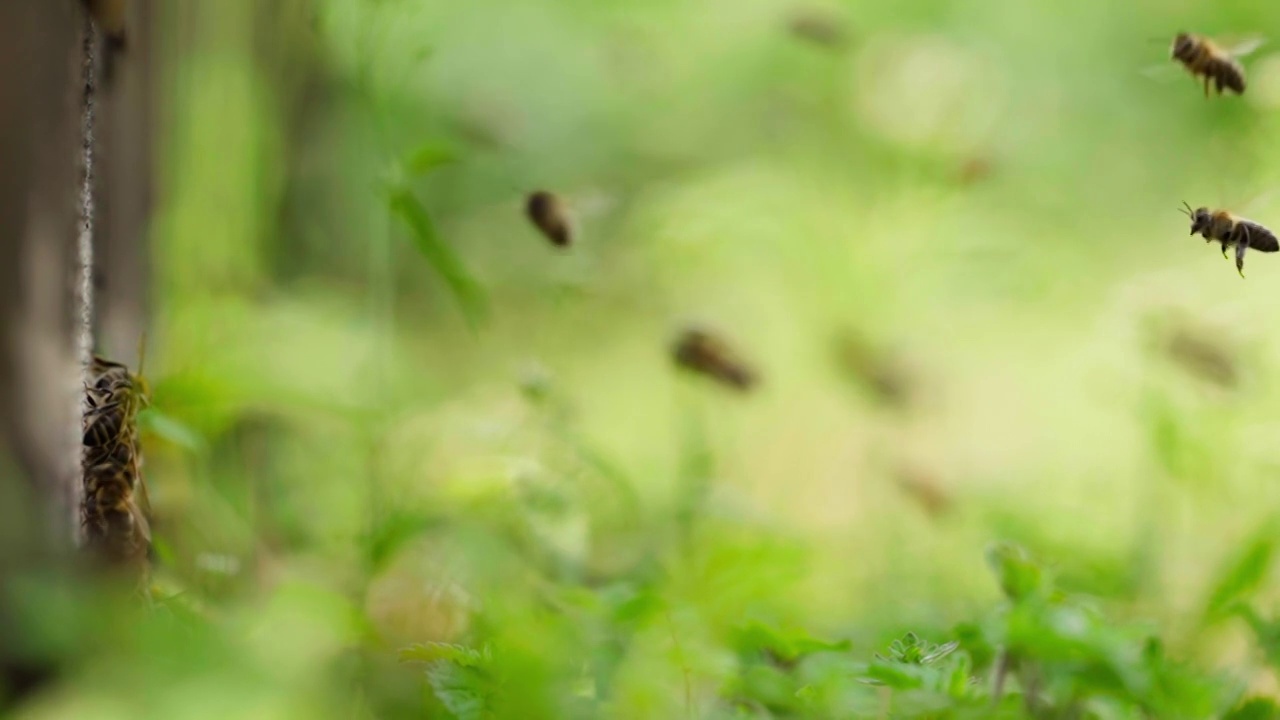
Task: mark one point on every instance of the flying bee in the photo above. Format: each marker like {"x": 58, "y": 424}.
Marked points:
{"x": 1205, "y": 59}
{"x": 818, "y": 27}
{"x": 924, "y": 488}
{"x": 548, "y": 213}
{"x": 975, "y": 169}
{"x": 888, "y": 376}
{"x": 1203, "y": 356}
{"x": 1228, "y": 229}
{"x": 700, "y": 351}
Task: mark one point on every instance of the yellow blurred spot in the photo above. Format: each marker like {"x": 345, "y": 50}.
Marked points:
{"x": 926, "y": 90}
{"x": 1264, "y": 82}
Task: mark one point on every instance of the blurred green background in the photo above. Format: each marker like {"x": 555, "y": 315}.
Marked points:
{"x": 393, "y": 413}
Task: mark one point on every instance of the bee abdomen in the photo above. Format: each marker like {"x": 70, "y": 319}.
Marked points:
{"x": 1231, "y": 77}
{"x": 1262, "y": 239}
{"x": 547, "y": 213}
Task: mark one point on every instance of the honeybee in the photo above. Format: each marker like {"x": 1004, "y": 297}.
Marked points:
{"x": 883, "y": 372}
{"x": 1228, "y": 229}
{"x": 818, "y": 27}
{"x": 129, "y": 388}
{"x": 975, "y": 169}
{"x": 548, "y": 213}
{"x": 1203, "y": 357}
{"x": 700, "y": 351}
{"x": 112, "y": 514}
{"x": 924, "y": 488}
{"x": 1203, "y": 58}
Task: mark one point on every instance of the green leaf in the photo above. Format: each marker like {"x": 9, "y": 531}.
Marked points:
{"x": 1254, "y": 709}
{"x": 899, "y": 676}
{"x": 426, "y": 158}
{"x": 399, "y": 529}
{"x": 462, "y": 691}
{"x": 1244, "y": 574}
{"x": 441, "y": 257}
{"x": 1266, "y": 632}
{"x": 636, "y": 607}
{"x": 437, "y": 651}
{"x": 788, "y": 646}
{"x": 1019, "y": 576}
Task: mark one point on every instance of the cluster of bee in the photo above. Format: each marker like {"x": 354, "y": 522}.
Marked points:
{"x": 1220, "y": 67}
{"x": 112, "y": 514}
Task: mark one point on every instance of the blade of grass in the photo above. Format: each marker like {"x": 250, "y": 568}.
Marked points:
{"x": 464, "y": 287}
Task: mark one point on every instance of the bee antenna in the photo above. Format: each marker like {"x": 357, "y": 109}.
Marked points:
{"x": 1187, "y": 211}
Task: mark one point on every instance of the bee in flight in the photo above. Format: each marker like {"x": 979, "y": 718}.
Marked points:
{"x": 1228, "y": 229}
{"x": 1205, "y": 59}
{"x": 701, "y": 351}
{"x": 548, "y": 213}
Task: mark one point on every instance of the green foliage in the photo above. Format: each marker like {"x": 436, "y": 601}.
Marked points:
{"x": 1058, "y": 656}
{"x": 1245, "y": 573}
{"x": 460, "y": 677}
{"x": 428, "y": 157}
{"x": 438, "y": 253}
{"x": 1254, "y": 709}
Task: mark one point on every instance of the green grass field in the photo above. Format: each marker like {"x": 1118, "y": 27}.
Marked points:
{"x": 411, "y": 460}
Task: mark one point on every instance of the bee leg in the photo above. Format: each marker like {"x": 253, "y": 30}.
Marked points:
{"x": 1206, "y": 86}
{"x": 1242, "y": 244}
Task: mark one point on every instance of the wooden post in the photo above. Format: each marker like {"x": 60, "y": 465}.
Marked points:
{"x": 126, "y": 189}
{"x": 39, "y": 171}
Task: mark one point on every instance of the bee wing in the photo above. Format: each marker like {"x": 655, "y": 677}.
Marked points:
{"x": 142, "y": 493}
{"x": 1245, "y": 46}
{"x": 140, "y": 520}
{"x": 1258, "y": 201}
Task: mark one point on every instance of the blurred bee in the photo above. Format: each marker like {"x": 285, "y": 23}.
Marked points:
{"x": 924, "y": 489}
{"x": 818, "y": 27}
{"x": 700, "y": 351}
{"x": 1228, "y": 229}
{"x": 1203, "y": 357}
{"x": 1205, "y": 59}
{"x": 115, "y": 523}
{"x": 548, "y": 213}
{"x": 974, "y": 169}
{"x": 885, "y": 375}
